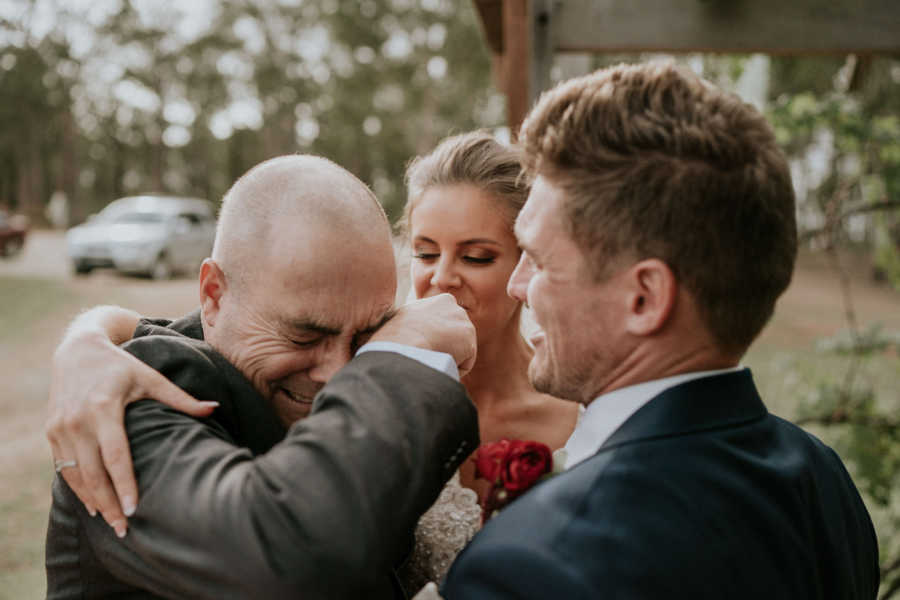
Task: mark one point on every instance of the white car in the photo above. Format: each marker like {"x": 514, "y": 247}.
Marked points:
{"x": 152, "y": 235}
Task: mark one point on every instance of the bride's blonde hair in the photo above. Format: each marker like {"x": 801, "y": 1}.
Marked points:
{"x": 474, "y": 158}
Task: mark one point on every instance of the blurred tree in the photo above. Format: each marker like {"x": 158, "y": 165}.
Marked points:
{"x": 853, "y": 182}
{"x": 37, "y": 138}
{"x": 142, "y": 96}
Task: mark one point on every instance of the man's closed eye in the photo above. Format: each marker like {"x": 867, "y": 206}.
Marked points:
{"x": 307, "y": 343}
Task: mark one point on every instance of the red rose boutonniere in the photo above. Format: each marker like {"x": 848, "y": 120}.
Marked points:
{"x": 512, "y": 467}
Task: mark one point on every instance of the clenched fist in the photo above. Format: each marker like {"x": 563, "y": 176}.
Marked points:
{"x": 437, "y": 323}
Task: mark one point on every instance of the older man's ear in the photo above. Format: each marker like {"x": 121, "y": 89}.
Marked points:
{"x": 212, "y": 289}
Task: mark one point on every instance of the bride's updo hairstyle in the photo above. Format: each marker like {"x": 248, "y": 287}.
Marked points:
{"x": 474, "y": 158}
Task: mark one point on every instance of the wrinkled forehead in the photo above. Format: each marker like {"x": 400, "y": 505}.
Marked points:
{"x": 332, "y": 279}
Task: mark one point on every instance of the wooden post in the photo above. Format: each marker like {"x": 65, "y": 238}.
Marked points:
{"x": 542, "y": 46}
{"x": 516, "y": 61}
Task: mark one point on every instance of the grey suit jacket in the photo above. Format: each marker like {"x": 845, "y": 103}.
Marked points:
{"x": 230, "y": 507}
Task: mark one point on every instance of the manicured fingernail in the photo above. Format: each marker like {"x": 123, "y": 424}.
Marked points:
{"x": 128, "y": 506}
{"x": 210, "y": 404}
{"x": 120, "y": 528}
{"x": 92, "y": 511}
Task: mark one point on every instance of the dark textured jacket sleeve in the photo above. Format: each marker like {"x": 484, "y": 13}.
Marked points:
{"x": 323, "y": 514}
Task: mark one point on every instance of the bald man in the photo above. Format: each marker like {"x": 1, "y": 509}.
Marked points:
{"x": 251, "y": 502}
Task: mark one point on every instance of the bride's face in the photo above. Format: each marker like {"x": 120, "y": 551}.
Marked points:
{"x": 463, "y": 244}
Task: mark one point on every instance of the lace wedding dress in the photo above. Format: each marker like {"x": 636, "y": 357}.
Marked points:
{"x": 442, "y": 532}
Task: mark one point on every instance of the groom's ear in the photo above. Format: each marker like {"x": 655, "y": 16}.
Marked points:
{"x": 651, "y": 295}
{"x": 212, "y": 288}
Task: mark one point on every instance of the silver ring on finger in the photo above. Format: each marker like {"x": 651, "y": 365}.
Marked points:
{"x": 61, "y": 464}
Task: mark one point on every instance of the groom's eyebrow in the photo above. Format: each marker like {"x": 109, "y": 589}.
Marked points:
{"x": 524, "y": 246}
{"x": 517, "y": 233}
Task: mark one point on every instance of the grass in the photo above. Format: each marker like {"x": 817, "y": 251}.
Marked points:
{"x": 26, "y": 302}
{"x": 34, "y": 312}
{"x": 22, "y": 550}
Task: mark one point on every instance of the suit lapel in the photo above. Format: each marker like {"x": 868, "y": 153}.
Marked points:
{"x": 725, "y": 400}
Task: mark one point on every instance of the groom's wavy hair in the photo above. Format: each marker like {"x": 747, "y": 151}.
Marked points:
{"x": 657, "y": 163}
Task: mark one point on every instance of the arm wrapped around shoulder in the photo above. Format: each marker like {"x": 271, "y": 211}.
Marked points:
{"x": 324, "y": 513}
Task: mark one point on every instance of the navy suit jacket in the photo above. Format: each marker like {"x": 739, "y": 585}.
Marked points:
{"x": 700, "y": 494}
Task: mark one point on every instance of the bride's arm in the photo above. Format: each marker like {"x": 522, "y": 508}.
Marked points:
{"x": 92, "y": 380}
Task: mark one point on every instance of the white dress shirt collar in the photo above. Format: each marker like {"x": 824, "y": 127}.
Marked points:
{"x": 609, "y": 411}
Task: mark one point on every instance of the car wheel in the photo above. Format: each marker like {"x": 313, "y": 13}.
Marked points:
{"x": 81, "y": 268}
{"x": 162, "y": 268}
{"x": 11, "y": 247}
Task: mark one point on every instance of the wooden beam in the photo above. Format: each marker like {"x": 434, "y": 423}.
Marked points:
{"x": 490, "y": 12}
{"x": 771, "y": 26}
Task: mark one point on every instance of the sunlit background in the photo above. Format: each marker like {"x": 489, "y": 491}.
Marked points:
{"x": 103, "y": 99}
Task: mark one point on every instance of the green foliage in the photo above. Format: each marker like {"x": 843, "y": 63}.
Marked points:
{"x": 863, "y": 435}
{"x": 857, "y": 135}
{"x": 144, "y": 103}
{"x": 864, "y": 343}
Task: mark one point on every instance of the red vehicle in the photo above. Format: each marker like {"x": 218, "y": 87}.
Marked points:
{"x": 12, "y": 234}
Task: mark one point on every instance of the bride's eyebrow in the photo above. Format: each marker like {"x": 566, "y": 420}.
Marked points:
{"x": 480, "y": 241}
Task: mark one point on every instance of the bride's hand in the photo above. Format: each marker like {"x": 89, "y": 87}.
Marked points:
{"x": 437, "y": 323}
{"x": 92, "y": 381}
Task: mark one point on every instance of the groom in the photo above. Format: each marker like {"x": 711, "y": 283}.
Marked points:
{"x": 658, "y": 235}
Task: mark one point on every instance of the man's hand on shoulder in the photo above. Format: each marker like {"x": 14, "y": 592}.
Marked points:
{"x": 437, "y": 323}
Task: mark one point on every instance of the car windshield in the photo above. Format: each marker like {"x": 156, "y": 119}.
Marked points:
{"x": 131, "y": 218}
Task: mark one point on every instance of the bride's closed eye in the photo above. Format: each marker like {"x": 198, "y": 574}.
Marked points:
{"x": 473, "y": 260}
{"x": 479, "y": 260}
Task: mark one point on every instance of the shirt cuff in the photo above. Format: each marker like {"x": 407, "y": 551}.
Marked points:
{"x": 439, "y": 361}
